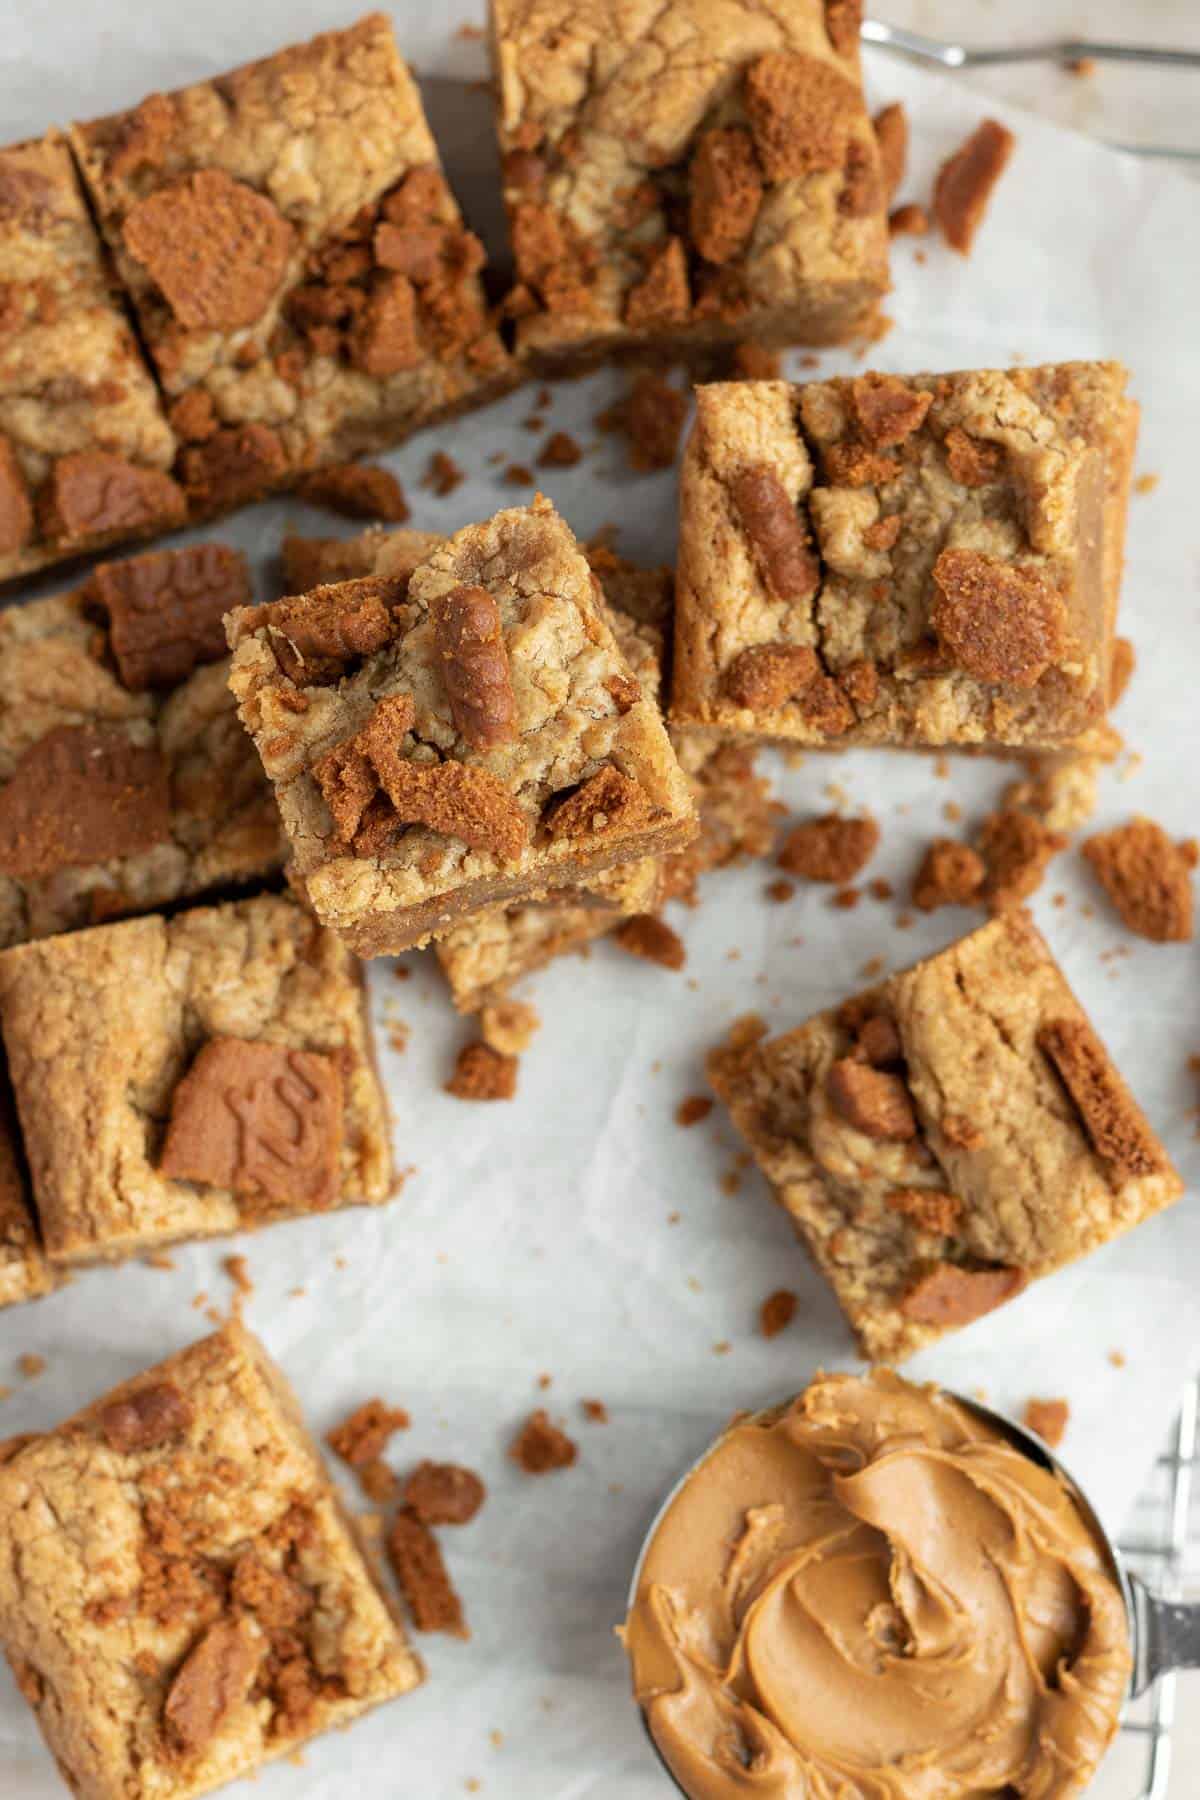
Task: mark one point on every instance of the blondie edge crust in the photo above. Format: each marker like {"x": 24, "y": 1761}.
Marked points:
{"x": 299, "y": 266}
{"x": 682, "y": 175}
{"x": 24, "y": 1271}
{"x": 183, "y": 1597}
{"x": 904, "y": 560}
{"x": 943, "y": 1139}
{"x": 188, "y": 1076}
{"x": 460, "y": 735}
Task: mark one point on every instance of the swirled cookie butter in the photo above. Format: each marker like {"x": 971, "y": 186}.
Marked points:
{"x": 869, "y": 1594}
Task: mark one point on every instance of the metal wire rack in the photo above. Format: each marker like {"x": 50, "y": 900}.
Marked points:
{"x": 1161, "y": 1547}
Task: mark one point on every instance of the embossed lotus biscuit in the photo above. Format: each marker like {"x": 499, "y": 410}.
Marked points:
{"x": 927, "y": 560}
{"x": 204, "y": 1604}
{"x": 126, "y": 781}
{"x": 681, "y": 179}
{"x": 182, "y": 1077}
{"x": 947, "y": 1137}
{"x": 85, "y": 447}
{"x": 301, "y": 273}
{"x": 487, "y": 740}
{"x": 24, "y": 1272}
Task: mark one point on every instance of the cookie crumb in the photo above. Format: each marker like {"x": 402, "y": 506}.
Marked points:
{"x": 1147, "y": 877}
{"x": 693, "y": 1109}
{"x": 776, "y": 1312}
{"x": 779, "y": 892}
{"x": 965, "y": 182}
{"x": 519, "y": 475}
{"x": 357, "y": 491}
{"x": 363, "y": 1436}
{"x": 951, "y": 874}
{"x": 238, "y": 1271}
{"x": 651, "y": 418}
{"x": 1117, "y": 1358}
{"x": 482, "y": 1073}
{"x": 31, "y": 1365}
{"x": 444, "y": 1493}
{"x": 560, "y": 451}
{"x": 509, "y": 1026}
{"x": 416, "y": 1558}
{"x": 1146, "y": 484}
{"x": 832, "y": 848}
{"x": 442, "y": 475}
{"x": 908, "y": 221}
{"x": 540, "y": 1446}
{"x": 650, "y": 938}
{"x": 1048, "y": 1418}
{"x": 1083, "y": 67}
{"x": 754, "y": 362}
{"x": 1017, "y": 848}
{"x": 595, "y": 1411}
{"x": 159, "y": 1259}
{"x": 378, "y": 1482}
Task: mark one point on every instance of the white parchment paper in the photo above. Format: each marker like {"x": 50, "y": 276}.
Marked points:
{"x": 579, "y": 1233}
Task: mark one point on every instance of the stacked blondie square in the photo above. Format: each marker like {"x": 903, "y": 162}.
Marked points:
{"x": 499, "y": 742}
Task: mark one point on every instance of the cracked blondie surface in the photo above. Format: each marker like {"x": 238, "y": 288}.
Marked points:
{"x": 681, "y": 174}
{"x": 115, "y": 709}
{"x": 184, "y": 1077}
{"x": 85, "y": 447}
{"x": 904, "y": 560}
{"x": 943, "y": 1139}
{"x": 182, "y": 1595}
{"x": 300, "y": 268}
{"x": 459, "y": 735}
{"x": 24, "y": 1272}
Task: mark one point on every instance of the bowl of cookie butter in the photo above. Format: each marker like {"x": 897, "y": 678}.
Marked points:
{"x": 882, "y": 1591}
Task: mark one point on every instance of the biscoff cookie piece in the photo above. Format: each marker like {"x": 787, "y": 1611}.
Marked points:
{"x": 203, "y": 1604}
{"x": 85, "y": 448}
{"x": 756, "y": 117}
{"x": 924, "y": 560}
{"x": 301, "y": 273}
{"x": 1147, "y": 877}
{"x": 462, "y": 734}
{"x": 946, "y": 1137}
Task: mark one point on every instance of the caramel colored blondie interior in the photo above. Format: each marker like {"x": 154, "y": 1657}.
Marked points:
{"x": 684, "y": 175}
{"x": 904, "y": 560}
{"x": 947, "y": 1137}
{"x": 183, "y": 1598}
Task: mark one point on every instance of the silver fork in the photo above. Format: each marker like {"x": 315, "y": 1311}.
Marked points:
{"x": 943, "y": 55}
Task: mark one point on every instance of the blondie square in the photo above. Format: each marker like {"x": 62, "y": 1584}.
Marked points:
{"x": 299, "y": 266}
{"x": 946, "y": 1137}
{"x": 683, "y": 175}
{"x": 460, "y": 735}
{"x": 126, "y": 781}
{"x": 24, "y": 1272}
{"x": 182, "y": 1077}
{"x": 85, "y": 448}
{"x": 183, "y": 1597}
{"x": 927, "y": 560}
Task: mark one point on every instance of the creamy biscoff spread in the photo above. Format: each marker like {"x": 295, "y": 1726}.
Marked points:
{"x": 870, "y": 1594}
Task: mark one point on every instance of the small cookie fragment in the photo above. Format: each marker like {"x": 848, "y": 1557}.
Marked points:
{"x": 444, "y": 1493}
{"x": 951, "y": 874}
{"x": 560, "y": 451}
{"x": 1111, "y": 1117}
{"x": 364, "y": 1435}
{"x": 693, "y": 1110}
{"x": 651, "y": 419}
{"x": 871, "y": 1100}
{"x": 778, "y": 537}
{"x": 474, "y": 664}
{"x": 891, "y": 135}
{"x": 1124, "y": 662}
{"x": 149, "y": 1417}
{"x": 777, "y": 1312}
{"x": 357, "y": 490}
{"x": 764, "y": 676}
{"x": 1147, "y": 877}
{"x": 214, "y": 1680}
{"x": 1048, "y": 1418}
{"x": 482, "y": 1073}
{"x": 509, "y": 1026}
{"x": 999, "y": 621}
{"x": 950, "y": 1294}
{"x": 831, "y": 848}
{"x": 965, "y": 181}
{"x": 1016, "y": 848}
{"x": 930, "y": 1209}
{"x": 416, "y": 1558}
{"x": 654, "y": 941}
{"x": 540, "y": 1446}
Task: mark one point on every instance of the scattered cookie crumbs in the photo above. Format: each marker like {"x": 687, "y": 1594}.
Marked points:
{"x": 873, "y": 966}
{"x": 651, "y": 418}
{"x": 951, "y": 874}
{"x": 965, "y": 182}
{"x": 1017, "y": 848}
{"x": 398, "y": 1035}
{"x": 1117, "y": 1358}
{"x": 722, "y": 1347}
{"x": 496, "y": 1739}
{"x": 159, "y": 1259}
{"x": 1147, "y": 877}
{"x": 416, "y": 1558}
{"x": 444, "y": 1493}
{"x": 653, "y": 940}
{"x": 779, "y": 892}
{"x": 692, "y": 1110}
{"x": 879, "y": 889}
{"x": 905, "y": 921}
{"x": 673, "y": 1218}
{"x": 1048, "y": 1418}
{"x": 363, "y": 1436}
{"x": 238, "y": 1271}
{"x": 378, "y": 1482}
{"x": 595, "y": 1411}
{"x": 776, "y": 1312}
{"x": 544, "y": 1381}
{"x": 952, "y": 812}
{"x": 519, "y": 475}
{"x": 846, "y": 899}
{"x": 31, "y": 1365}
{"x": 509, "y": 1026}
{"x": 908, "y": 221}
{"x": 481, "y": 1073}
{"x": 560, "y": 451}
{"x": 199, "y": 1301}
{"x": 831, "y": 848}
{"x": 443, "y": 474}
{"x": 1146, "y": 484}
{"x": 540, "y": 1446}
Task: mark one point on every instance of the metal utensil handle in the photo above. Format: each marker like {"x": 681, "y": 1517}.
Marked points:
{"x": 1166, "y": 1635}
{"x": 963, "y": 56}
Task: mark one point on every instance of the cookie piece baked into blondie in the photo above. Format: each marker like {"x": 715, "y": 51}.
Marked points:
{"x": 183, "y": 1597}
{"x": 181, "y": 1077}
{"x": 126, "y": 781}
{"x": 945, "y": 1138}
{"x": 300, "y": 269}
{"x": 463, "y": 735}
{"x": 683, "y": 175}
{"x": 926, "y": 560}
{"x": 24, "y": 1271}
{"x": 85, "y": 448}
